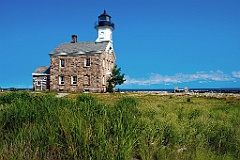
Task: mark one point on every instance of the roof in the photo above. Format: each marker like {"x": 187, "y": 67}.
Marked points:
{"x": 104, "y": 14}
{"x": 79, "y": 48}
{"x": 42, "y": 70}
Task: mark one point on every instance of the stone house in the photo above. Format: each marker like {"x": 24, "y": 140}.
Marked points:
{"x": 80, "y": 66}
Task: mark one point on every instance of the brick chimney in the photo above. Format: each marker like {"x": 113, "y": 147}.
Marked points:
{"x": 74, "y": 38}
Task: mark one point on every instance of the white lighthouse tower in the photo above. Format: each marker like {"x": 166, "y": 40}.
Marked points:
{"x": 104, "y": 26}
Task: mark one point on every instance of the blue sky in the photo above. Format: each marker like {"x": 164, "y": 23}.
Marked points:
{"x": 158, "y": 43}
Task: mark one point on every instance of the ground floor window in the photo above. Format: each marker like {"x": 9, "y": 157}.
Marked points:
{"x": 74, "y": 80}
{"x": 38, "y": 83}
{"x": 61, "y": 79}
{"x": 103, "y": 80}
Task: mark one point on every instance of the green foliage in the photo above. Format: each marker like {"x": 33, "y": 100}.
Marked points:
{"x": 116, "y": 78}
{"x": 37, "y": 126}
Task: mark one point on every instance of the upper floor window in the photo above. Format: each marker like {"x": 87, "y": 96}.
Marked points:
{"x": 87, "y": 62}
{"x": 103, "y": 63}
{"x": 62, "y": 62}
{"x": 74, "y": 79}
{"x": 61, "y": 79}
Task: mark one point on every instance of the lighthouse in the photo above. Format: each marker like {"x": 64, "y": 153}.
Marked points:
{"x": 104, "y": 27}
{"x": 80, "y": 66}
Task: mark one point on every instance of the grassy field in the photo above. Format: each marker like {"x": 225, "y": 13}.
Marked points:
{"x": 119, "y": 126}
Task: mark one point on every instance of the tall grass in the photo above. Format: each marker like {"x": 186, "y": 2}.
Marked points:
{"x": 38, "y": 126}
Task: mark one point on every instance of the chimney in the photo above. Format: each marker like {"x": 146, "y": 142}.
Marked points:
{"x": 74, "y": 39}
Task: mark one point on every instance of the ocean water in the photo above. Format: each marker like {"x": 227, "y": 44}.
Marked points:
{"x": 199, "y": 90}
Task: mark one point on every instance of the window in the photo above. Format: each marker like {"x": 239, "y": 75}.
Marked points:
{"x": 103, "y": 80}
{"x": 74, "y": 79}
{"x": 38, "y": 83}
{"x": 103, "y": 63}
{"x": 62, "y": 62}
{"x": 61, "y": 79}
{"x": 101, "y": 35}
{"x": 87, "y": 63}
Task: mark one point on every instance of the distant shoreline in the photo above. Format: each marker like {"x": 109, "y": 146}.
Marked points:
{"x": 190, "y": 90}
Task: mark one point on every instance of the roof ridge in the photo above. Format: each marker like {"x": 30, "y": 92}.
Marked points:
{"x": 70, "y": 48}
{"x": 92, "y": 42}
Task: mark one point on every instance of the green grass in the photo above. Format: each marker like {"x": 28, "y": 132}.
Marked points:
{"x": 118, "y": 126}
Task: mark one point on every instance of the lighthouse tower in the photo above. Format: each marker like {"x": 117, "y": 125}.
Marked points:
{"x": 104, "y": 26}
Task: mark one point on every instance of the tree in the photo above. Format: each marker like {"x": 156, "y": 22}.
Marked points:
{"x": 116, "y": 79}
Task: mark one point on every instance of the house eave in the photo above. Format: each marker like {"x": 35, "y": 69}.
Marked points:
{"x": 76, "y": 53}
{"x": 40, "y": 74}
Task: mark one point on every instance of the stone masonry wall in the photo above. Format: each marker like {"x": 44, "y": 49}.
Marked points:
{"x": 91, "y": 78}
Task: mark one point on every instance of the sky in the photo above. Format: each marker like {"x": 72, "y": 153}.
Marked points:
{"x": 159, "y": 44}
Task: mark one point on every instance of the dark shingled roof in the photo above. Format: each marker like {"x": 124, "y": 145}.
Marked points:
{"x": 42, "y": 70}
{"x": 80, "y": 48}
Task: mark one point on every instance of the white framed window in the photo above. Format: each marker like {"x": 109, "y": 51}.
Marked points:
{"x": 103, "y": 63}
{"x": 74, "y": 80}
{"x": 61, "y": 79}
{"x": 103, "y": 80}
{"x": 62, "y": 62}
{"x": 38, "y": 83}
{"x": 101, "y": 36}
{"x": 87, "y": 62}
